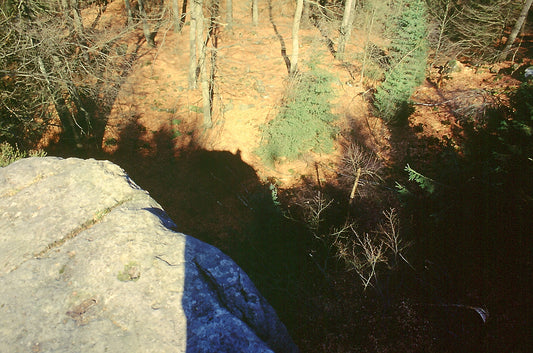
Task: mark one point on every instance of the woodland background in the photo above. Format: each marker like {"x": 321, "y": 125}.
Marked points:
{"x": 368, "y": 163}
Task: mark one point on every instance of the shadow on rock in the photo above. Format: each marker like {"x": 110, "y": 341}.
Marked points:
{"x": 216, "y": 197}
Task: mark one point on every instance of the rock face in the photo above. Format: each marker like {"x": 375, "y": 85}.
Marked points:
{"x": 90, "y": 263}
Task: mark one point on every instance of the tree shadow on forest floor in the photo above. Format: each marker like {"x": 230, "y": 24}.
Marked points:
{"x": 281, "y": 40}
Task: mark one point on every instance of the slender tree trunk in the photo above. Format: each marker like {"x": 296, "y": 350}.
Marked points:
{"x": 62, "y": 111}
{"x": 255, "y": 13}
{"x": 146, "y": 27}
{"x": 176, "y": 15}
{"x": 295, "y": 29}
{"x": 183, "y": 14}
{"x": 305, "y": 15}
{"x": 346, "y": 28}
{"x": 514, "y": 33}
{"x": 367, "y": 41}
{"x": 206, "y": 91}
{"x": 229, "y": 12}
{"x": 129, "y": 13}
{"x": 72, "y": 15}
{"x": 193, "y": 64}
{"x": 201, "y": 44}
{"x": 213, "y": 38}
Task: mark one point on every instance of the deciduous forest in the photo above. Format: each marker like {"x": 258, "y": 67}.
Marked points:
{"x": 369, "y": 163}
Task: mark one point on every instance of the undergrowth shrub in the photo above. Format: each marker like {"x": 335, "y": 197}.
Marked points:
{"x": 9, "y": 154}
{"x": 304, "y": 123}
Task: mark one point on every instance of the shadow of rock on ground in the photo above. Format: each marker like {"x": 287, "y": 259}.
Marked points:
{"x": 216, "y": 197}
{"x": 469, "y": 233}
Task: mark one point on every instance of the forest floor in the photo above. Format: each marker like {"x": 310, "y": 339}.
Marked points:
{"x": 209, "y": 179}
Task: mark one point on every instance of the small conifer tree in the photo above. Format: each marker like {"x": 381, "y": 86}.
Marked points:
{"x": 408, "y": 57}
{"x": 304, "y": 123}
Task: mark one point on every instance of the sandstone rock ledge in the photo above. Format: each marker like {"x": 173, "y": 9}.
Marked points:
{"x": 89, "y": 263}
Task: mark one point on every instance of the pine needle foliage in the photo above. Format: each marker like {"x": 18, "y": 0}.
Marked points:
{"x": 304, "y": 123}
{"x": 408, "y": 57}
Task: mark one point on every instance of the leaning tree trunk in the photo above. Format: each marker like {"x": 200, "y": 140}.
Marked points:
{"x": 514, "y": 33}
{"x": 346, "y": 29}
{"x": 295, "y": 29}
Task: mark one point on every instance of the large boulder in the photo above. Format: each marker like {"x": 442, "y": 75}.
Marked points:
{"x": 89, "y": 262}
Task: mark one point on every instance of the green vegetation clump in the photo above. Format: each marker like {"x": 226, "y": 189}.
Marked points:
{"x": 9, "y": 154}
{"x": 305, "y": 122}
{"x": 131, "y": 272}
{"x": 408, "y": 57}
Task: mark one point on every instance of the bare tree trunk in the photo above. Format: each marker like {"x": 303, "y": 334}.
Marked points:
{"x": 206, "y": 91}
{"x": 146, "y": 27}
{"x": 176, "y": 15}
{"x": 183, "y": 14}
{"x": 295, "y": 29}
{"x": 62, "y": 111}
{"x": 129, "y": 13}
{"x": 519, "y": 22}
{"x": 368, "y": 31}
{"x": 346, "y": 28}
{"x": 196, "y": 6}
{"x": 305, "y": 15}
{"x": 255, "y": 13}
{"x": 229, "y": 12}
{"x": 201, "y": 44}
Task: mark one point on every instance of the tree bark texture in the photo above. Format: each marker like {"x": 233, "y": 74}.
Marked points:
{"x": 295, "y": 29}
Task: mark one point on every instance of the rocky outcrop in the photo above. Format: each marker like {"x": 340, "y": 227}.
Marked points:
{"x": 89, "y": 263}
